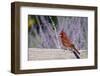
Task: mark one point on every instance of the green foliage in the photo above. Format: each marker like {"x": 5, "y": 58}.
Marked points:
{"x": 31, "y": 21}
{"x": 54, "y": 18}
{"x": 54, "y": 21}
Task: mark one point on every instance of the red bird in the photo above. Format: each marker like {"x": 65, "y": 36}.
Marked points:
{"x": 68, "y": 43}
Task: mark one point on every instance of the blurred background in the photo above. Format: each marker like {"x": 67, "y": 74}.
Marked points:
{"x": 44, "y": 31}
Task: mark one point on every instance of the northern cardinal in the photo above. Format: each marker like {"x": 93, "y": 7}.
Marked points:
{"x": 67, "y": 43}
